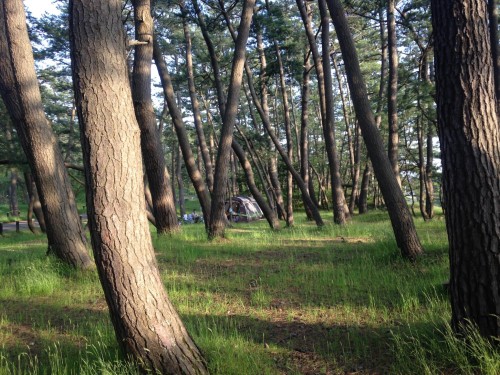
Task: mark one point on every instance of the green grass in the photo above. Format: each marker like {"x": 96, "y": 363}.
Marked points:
{"x": 302, "y": 300}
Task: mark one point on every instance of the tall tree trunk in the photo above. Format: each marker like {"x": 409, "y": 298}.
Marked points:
{"x": 470, "y": 149}
{"x": 363, "y": 193}
{"x": 326, "y": 109}
{"x": 288, "y": 134}
{"x": 392, "y": 104}
{"x": 401, "y": 219}
{"x": 217, "y": 219}
{"x": 180, "y": 182}
{"x": 304, "y": 131}
{"x": 21, "y": 94}
{"x": 205, "y": 154}
{"x": 13, "y": 201}
{"x": 146, "y": 325}
{"x": 429, "y": 185}
{"x": 421, "y": 168}
{"x": 154, "y": 161}
{"x": 180, "y": 130}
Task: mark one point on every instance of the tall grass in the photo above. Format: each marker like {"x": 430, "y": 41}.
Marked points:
{"x": 302, "y": 300}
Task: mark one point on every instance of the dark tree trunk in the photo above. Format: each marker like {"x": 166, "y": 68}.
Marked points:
{"x": 13, "y": 201}
{"x": 146, "y": 325}
{"x": 21, "y": 94}
{"x": 180, "y": 182}
{"x": 156, "y": 169}
{"x": 194, "y": 173}
{"x": 401, "y": 219}
{"x": 495, "y": 48}
{"x": 470, "y": 149}
{"x": 217, "y": 219}
{"x": 363, "y": 194}
{"x": 429, "y": 186}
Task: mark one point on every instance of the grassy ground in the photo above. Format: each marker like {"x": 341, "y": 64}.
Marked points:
{"x": 300, "y": 301}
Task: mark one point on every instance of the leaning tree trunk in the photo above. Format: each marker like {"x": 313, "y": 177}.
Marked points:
{"x": 21, "y": 94}
{"x": 401, "y": 219}
{"x": 152, "y": 151}
{"x": 146, "y": 325}
{"x": 217, "y": 216}
{"x": 34, "y": 205}
{"x": 470, "y": 151}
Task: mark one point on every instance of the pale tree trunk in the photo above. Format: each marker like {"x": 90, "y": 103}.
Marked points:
{"x": 392, "y": 104}
{"x": 401, "y": 219}
{"x": 146, "y": 325}
{"x": 470, "y": 149}
{"x": 194, "y": 173}
{"x": 154, "y": 161}
{"x": 34, "y": 205}
{"x": 21, "y": 94}
{"x": 13, "y": 201}
{"x": 217, "y": 217}
{"x": 205, "y": 154}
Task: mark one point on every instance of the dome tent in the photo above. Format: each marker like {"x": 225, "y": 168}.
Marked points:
{"x": 243, "y": 209}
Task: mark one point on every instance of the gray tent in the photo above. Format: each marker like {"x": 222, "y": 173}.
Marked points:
{"x": 243, "y": 209}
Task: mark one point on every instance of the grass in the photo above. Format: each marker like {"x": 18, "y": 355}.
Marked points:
{"x": 300, "y": 301}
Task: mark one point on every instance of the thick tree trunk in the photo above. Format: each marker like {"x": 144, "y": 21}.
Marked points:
{"x": 180, "y": 130}
{"x": 154, "y": 161}
{"x": 21, "y": 94}
{"x": 401, "y": 219}
{"x": 470, "y": 150}
{"x": 392, "y": 104}
{"x": 146, "y": 325}
{"x": 495, "y": 48}
{"x": 217, "y": 219}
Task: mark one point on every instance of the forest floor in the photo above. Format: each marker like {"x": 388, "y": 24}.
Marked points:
{"x": 336, "y": 300}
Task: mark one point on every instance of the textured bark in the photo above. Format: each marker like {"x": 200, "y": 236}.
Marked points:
{"x": 152, "y": 151}
{"x": 205, "y": 154}
{"x": 217, "y": 217}
{"x": 401, "y": 220}
{"x": 21, "y": 94}
{"x": 470, "y": 141}
{"x": 392, "y": 103}
{"x": 363, "y": 193}
{"x": 180, "y": 130}
{"x": 146, "y": 325}
{"x": 495, "y": 48}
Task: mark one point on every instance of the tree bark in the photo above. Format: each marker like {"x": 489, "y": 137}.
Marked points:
{"x": 401, "y": 219}
{"x": 154, "y": 161}
{"x": 495, "y": 48}
{"x": 217, "y": 219}
{"x": 34, "y": 205}
{"x": 469, "y": 138}
{"x": 146, "y": 325}
{"x": 21, "y": 94}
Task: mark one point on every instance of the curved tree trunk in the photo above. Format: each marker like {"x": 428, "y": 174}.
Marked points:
{"x": 21, "y": 94}
{"x": 194, "y": 173}
{"x": 470, "y": 150}
{"x": 266, "y": 209}
{"x": 154, "y": 161}
{"x": 217, "y": 216}
{"x": 34, "y": 205}
{"x": 401, "y": 219}
{"x": 146, "y": 325}
{"x": 194, "y": 102}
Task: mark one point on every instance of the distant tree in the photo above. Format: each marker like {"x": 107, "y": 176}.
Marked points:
{"x": 470, "y": 149}
{"x": 147, "y": 327}
{"x": 21, "y": 94}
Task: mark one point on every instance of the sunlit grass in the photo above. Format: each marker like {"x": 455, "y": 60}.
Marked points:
{"x": 301, "y": 300}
